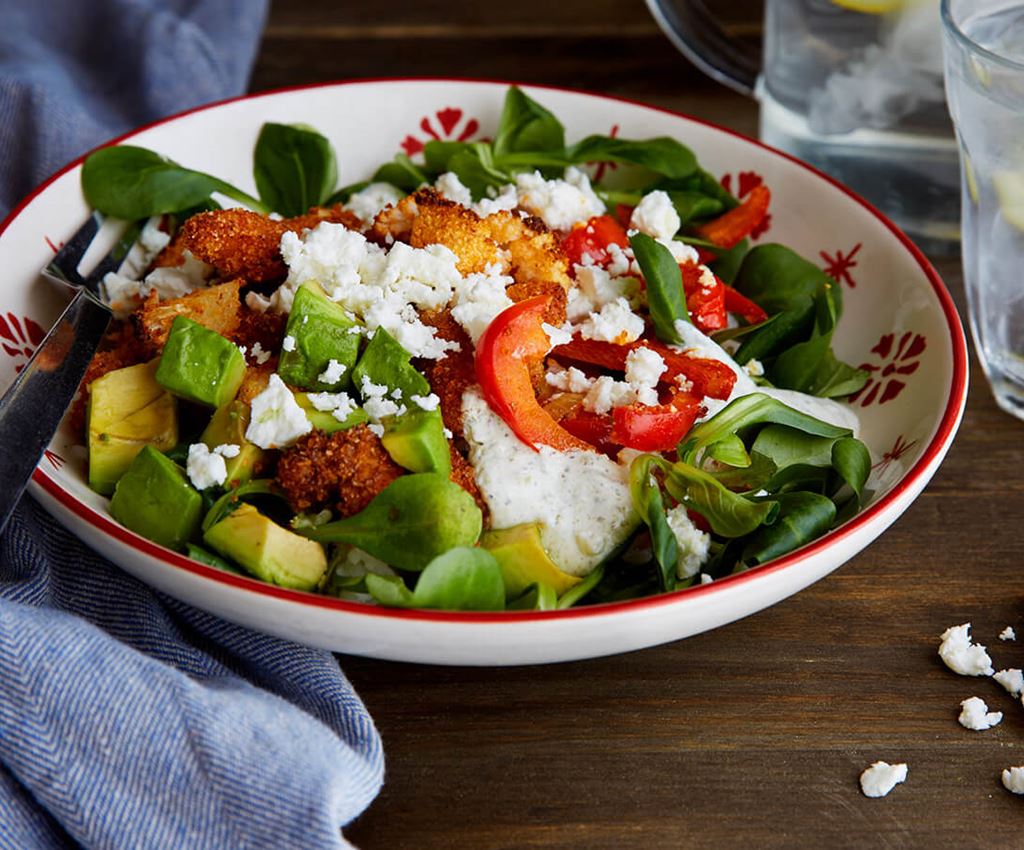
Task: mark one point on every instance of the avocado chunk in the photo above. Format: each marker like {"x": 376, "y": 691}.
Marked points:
{"x": 200, "y": 365}
{"x": 325, "y": 420}
{"x": 416, "y": 441}
{"x": 154, "y": 499}
{"x": 386, "y": 363}
{"x": 523, "y": 561}
{"x": 318, "y": 331}
{"x": 227, "y": 427}
{"x": 127, "y": 410}
{"x": 267, "y": 550}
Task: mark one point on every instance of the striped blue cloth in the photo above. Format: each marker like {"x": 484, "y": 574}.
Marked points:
{"x": 128, "y": 719}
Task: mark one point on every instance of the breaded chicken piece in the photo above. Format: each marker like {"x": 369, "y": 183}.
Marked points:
{"x": 242, "y": 243}
{"x": 555, "y": 313}
{"x": 452, "y": 375}
{"x": 256, "y": 379}
{"x": 266, "y": 328}
{"x": 343, "y": 470}
{"x": 443, "y": 222}
{"x": 463, "y": 475}
{"x": 394, "y": 223}
{"x": 214, "y": 307}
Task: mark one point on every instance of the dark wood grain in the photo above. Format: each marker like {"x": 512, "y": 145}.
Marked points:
{"x": 751, "y": 735}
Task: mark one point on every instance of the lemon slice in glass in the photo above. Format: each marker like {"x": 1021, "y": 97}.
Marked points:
{"x": 1009, "y": 186}
{"x": 870, "y": 7}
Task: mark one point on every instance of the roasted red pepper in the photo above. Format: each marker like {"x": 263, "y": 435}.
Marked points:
{"x": 736, "y": 302}
{"x": 593, "y": 428}
{"x": 592, "y": 239}
{"x": 658, "y": 428}
{"x": 708, "y": 377}
{"x": 504, "y": 354}
{"x": 705, "y": 304}
{"x": 731, "y": 228}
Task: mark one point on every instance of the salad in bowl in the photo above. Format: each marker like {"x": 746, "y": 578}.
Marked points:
{"x": 496, "y": 376}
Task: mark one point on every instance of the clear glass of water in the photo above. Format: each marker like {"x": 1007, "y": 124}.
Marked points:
{"x": 984, "y": 50}
{"x": 855, "y": 87}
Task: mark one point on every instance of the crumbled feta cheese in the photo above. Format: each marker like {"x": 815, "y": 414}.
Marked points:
{"x": 205, "y": 468}
{"x": 426, "y": 402}
{"x": 961, "y": 655}
{"x": 605, "y": 393}
{"x": 705, "y": 578}
{"x": 615, "y": 322}
{"x": 685, "y": 384}
{"x": 376, "y": 429}
{"x": 1013, "y": 780}
{"x": 558, "y": 336}
{"x": 332, "y": 374}
{"x": 121, "y": 293}
{"x": 153, "y": 239}
{"x": 288, "y": 343}
{"x": 1012, "y": 679}
{"x": 644, "y": 367}
{"x": 339, "y": 405}
{"x": 693, "y": 544}
{"x": 176, "y": 281}
{"x": 580, "y": 499}
{"x": 975, "y": 715}
{"x": 376, "y": 403}
{"x": 559, "y": 203}
{"x": 879, "y": 779}
{"x": 228, "y": 450}
{"x": 276, "y": 420}
{"x": 257, "y": 303}
{"x": 505, "y": 199}
{"x": 368, "y": 202}
{"x": 656, "y": 216}
{"x": 569, "y": 380}
{"x": 448, "y": 433}
{"x": 754, "y": 368}
{"x": 259, "y": 355}
{"x": 449, "y": 186}
{"x": 1008, "y": 634}
{"x": 681, "y": 252}
{"x": 478, "y": 298}
{"x": 599, "y": 286}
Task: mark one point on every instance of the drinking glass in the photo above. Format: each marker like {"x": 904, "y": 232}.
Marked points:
{"x": 851, "y": 86}
{"x": 984, "y": 50}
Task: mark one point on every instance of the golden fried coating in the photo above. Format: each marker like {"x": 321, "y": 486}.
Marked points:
{"x": 256, "y": 379}
{"x": 266, "y": 329}
{"x": 242, "y": 243}
{"x": 444, "y": 222}
{"x": 452, "y": 375}
{"x": 214, "y": 307}
{"x": 555, "y": 313}
{"x": 394, "y": 222}
{"x": 463, "y": 475}
{"x": 343, "y": 470}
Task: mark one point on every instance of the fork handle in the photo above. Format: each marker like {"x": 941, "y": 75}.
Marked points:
{"x": 33, "y": 406}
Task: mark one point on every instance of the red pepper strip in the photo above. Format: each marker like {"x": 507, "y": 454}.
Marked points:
{"x": 513, "y": 341}
{"x": 731, "y": 228}
{"x": 592, "y": 239}
{"x": 738, "y": 303}
{"x": 658, "y": 428}
{"x": 706, "y": 304}
{"x": 699, "y": 520}
{"x": 593, "y": 428}
{"x": 709, "y": 377}
{"x": 624, "y": 214}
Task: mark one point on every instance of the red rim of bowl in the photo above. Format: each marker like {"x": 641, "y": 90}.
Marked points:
{"x": 935, "y": 449}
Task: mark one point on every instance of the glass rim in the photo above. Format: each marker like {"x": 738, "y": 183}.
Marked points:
{"x": 953, "y": 28}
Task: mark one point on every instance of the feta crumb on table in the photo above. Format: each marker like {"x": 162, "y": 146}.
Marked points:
{"x": 1012, "y": 679}
{"x": 1008, "y": 634}
{"x": 975, "y": 715}
{"x": 961, "y": 655}
{"x": 879, "y": 779}
{"x": 1013, "y": 780}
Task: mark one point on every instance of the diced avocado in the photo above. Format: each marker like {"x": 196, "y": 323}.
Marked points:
{"x": 386, "y": 363}
{"x": 227, "y": 427}
{"x": 325, "y": 420}
{"x": 267, "y": 550}
{"x": 154, "y": 499}
{"x": 318, "y": 332}
{"x": 127, "y": 410}
{"x": 523, "y": 560}
{"x": 416, "y": 441}
{"x": 200, "y": 365}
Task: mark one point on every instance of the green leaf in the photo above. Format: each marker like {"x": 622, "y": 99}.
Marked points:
{"x": 852, "y": 460}
{"x": 662, "y": 155}
{"x": 475, "y": 168}
{"x": 294, "y": 167}
{"x": 778, "y": 278}
{"x": 695, "y": 205}
{"x": 665, "y": 296}
{"x": 438, "y": 154}
{"x": 413, "y": 520}
{"x": 803, "y": 517}
{"x": 786, "y": 446}
{"x": 462, "y": 579}
{"x": 649, "y": 505}
{"x": 579, "y": 591}
{"x": 537, "y": 597}
{"x": 525, "y": 125}
{"x": 728, "y": 514}
{"x": 730, "y": 451}
{"x": 203, "y": 556}
{"x": 727, "y": 263}
{"x": 130, "y": 182}
{"x": 401, "y": 172}
{"x": 390, "y": 591}
{"x": 782, "y": 329}
{"x": 227, "y": 503}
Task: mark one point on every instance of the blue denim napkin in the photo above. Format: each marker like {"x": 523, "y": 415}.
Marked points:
{"x": 128, "y": 719}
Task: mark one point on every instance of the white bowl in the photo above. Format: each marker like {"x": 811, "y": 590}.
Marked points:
{"x": 899, "y": 320}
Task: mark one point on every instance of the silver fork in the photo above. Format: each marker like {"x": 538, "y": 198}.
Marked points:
{"x": 33, "y": 406}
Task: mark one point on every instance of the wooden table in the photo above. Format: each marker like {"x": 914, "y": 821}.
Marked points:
{"x": 751, "y": 735}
